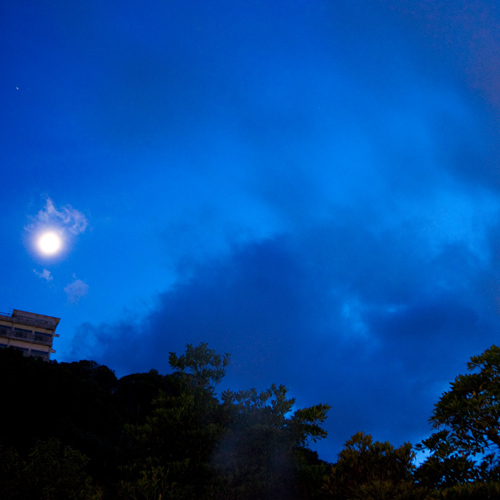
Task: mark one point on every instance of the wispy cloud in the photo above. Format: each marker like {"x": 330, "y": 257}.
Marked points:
{"x": 76, "y": 290}
{"x": 45, "y": 274}
{"x": 68, "y": 217}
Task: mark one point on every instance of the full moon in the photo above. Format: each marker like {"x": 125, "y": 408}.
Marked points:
{"x": 49, "y": 243}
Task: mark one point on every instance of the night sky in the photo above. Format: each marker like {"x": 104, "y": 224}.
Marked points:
{"x": 312, "y": 186}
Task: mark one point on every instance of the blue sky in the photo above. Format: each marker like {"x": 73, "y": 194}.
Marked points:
{"x": 310, "y": 186}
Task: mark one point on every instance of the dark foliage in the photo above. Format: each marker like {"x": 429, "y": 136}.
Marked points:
{"x": 79, "y": 432}
{"x": 74, "y": 431}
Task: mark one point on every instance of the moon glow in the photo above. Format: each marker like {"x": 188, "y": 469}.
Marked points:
{"x": 49, "y": 243}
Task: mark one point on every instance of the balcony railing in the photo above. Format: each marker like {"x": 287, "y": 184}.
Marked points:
{"x": 25, "y": 320}
{"x": 26, "y": 336}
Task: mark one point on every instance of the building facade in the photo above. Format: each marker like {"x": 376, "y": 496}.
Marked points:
{"x": 31, "y": 333}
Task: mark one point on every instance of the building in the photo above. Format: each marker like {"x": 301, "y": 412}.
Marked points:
{"x": 30, "y": 333}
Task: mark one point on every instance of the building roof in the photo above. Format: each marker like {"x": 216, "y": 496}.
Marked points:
{"x": 32, "y": 319}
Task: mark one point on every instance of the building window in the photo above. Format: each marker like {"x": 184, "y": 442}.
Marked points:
{"x": 43, "y": 337}
{"x": 5, "y": 331}
{"x": 22, "y": 330}
{"x": 24, "y": 350}
{"x": 22, "y": 333}
{"x": 39, "y": 354}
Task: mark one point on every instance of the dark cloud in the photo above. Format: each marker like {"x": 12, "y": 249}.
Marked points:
{"x": 356, "y": 317}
